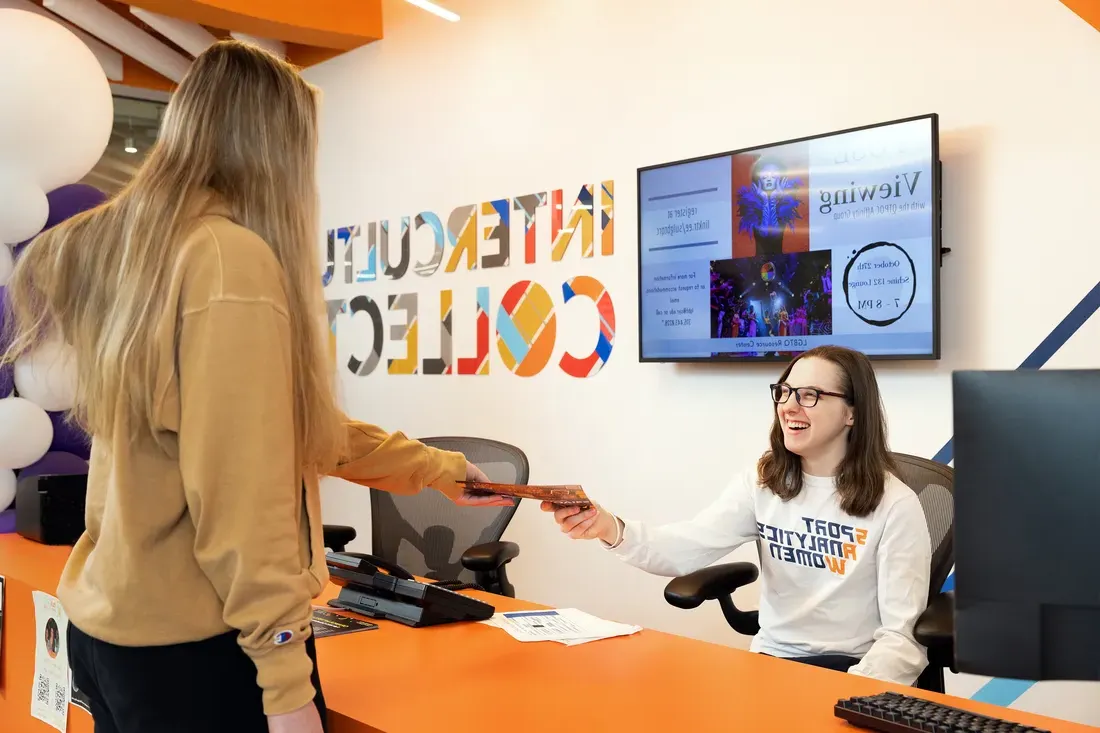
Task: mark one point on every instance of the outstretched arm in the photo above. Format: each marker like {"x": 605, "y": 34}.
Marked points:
{"x": 395, "y": 463}
{"x": 398, "y": 464}
{"x": 677, "y": 548}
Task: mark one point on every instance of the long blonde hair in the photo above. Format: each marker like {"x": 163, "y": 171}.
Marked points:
{"x": 243, "y": 126}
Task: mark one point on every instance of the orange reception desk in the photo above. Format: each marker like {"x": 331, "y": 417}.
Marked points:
{"x": 471, "y": 677}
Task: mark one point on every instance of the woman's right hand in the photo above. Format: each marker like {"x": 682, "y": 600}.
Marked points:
{"x": 305, "y": 719}
{"x": 585, "y": 524}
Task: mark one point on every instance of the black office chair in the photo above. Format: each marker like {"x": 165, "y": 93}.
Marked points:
{"x": 933, "y": 482}
{"x": 432, "y": 537}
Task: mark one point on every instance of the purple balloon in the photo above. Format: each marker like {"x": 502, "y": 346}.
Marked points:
{"x": 55, "y": 463}
{"x": 7, "y": 373}
{"x": 69, "y": 438}
{"x": 65, "y": 203}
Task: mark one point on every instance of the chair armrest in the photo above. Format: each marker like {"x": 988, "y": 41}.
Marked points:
{"x": 489, "y": 556}
{"x": 936, "y": 626}
{"x": 709, "y": 584}
{"x": 935, "y": 630}
{"x": 337, "y": 536}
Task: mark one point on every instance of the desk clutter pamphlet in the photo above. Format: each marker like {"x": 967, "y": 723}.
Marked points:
{"x": 329, "y": 623}
{"x": 565, "y": 625}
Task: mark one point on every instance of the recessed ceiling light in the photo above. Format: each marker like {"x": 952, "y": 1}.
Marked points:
{"x": 435, "y": 9}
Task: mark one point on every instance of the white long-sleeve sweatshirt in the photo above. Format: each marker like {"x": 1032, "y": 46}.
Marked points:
{"x": 831, "y": 583}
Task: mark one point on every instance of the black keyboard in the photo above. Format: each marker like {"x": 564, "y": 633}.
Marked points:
{"x": 891, "y": 712}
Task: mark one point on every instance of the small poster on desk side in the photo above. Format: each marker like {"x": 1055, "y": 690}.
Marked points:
{"x": 50, "y": 697}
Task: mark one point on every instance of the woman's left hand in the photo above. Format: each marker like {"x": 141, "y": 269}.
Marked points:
{"x": 473, "y": 473}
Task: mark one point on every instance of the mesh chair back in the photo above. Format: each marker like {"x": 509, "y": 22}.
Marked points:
{"x": 934, "y": 484}
{"x": 427, "y": 533}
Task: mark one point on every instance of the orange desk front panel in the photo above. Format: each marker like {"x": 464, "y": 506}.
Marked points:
{"x": 26, "y": 566}
{"x": 470, "y": 677}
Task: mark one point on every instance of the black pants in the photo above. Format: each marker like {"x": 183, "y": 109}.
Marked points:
{"x": 202, "y": 687}
{"x": 837, "y": 662}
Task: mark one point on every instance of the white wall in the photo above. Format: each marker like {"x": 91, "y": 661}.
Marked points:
{"x": 530, "y": 96}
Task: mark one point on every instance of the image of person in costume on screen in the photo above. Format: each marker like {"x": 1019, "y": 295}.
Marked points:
{"x": 768, "y": 206}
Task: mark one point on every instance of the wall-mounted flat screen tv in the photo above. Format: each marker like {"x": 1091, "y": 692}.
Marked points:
{"x": 763, "y": 253}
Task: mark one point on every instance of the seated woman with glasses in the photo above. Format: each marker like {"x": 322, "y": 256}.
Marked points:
{"x": 845, "y": 550}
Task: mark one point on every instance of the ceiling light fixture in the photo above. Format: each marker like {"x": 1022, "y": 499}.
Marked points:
{"x": 130, "y": 147}
{"x": 435, "y": 9}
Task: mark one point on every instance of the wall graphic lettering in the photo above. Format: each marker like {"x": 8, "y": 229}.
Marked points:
{"x": 524, "y": 325}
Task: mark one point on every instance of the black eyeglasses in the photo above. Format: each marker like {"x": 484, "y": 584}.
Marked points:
{"x": 805, "y": 396}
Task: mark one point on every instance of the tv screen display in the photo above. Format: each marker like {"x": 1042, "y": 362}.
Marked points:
{"x": 763, "y": 253}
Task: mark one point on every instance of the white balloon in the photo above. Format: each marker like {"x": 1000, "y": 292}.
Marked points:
{"x": 56, "y": 101}
{"x": 7, "y": 488}
{"x": 25, "y": 432}
{"x": 7, "y": 264}
{"x": 47, "y": 376}
{"x": 23, "y": 208}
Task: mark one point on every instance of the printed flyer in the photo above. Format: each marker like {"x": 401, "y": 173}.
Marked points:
{"x": 50, "y": 698}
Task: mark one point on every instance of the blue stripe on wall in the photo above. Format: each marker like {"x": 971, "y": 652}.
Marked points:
{"x": 1002, "y": 692}
{"x": 1057, "y": 338}
{"x": 998, "y": 691}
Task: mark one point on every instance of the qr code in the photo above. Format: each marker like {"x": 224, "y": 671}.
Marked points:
{"x": 60, "y": 699}
{"x": 42, "y": 691}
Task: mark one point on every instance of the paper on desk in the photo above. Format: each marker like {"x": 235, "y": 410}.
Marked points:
{"x": 567, "y": 626}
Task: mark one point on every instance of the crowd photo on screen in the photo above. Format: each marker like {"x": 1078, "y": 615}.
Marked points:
{"x": 771, "y": 296}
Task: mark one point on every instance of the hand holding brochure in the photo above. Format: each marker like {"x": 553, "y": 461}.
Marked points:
{"x": 565, "y": 625}
{"x": 559, "y": 495}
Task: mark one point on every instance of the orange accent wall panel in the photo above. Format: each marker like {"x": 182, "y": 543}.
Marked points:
{"x": 339, "y": 24}
{"x": 1088, "y": 10}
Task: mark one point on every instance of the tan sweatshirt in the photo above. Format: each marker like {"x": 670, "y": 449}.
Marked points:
{"x": 221, "y": 530}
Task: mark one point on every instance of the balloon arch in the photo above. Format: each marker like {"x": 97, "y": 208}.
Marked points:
{"x": 57, "y": 123}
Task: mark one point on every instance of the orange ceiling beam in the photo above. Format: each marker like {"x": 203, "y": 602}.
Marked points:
{"x": 304, "y": 56}
{"x": 1088, "y": 10}
{"x": 135, "y": 74}
{"x": 335, "y": 24}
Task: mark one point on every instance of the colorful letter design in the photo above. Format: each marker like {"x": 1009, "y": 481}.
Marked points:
{"x": 526, "y": 328}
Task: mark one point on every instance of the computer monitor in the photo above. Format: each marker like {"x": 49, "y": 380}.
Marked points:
{"x": 1027, "y": 524}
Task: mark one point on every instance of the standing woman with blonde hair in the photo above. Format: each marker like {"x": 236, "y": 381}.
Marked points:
{"x": 193, "y": 304}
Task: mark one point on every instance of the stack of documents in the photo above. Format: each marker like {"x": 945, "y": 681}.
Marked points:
{"x": 565, "y": 625}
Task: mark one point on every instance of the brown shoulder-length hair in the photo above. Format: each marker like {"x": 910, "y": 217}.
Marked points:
{"x": 861, "y": 479}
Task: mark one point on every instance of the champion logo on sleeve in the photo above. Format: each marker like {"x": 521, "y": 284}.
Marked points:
{"x": 283, "y": 637}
